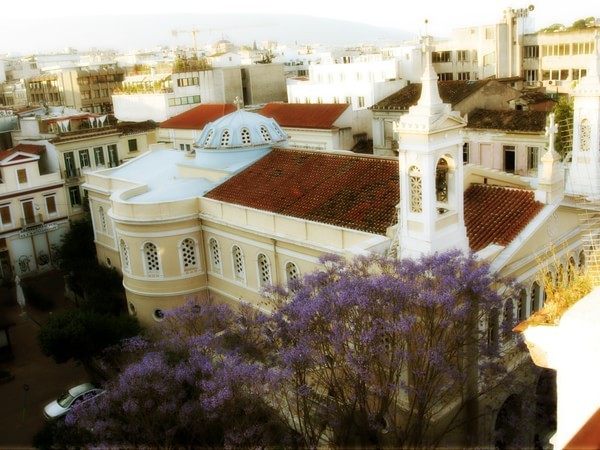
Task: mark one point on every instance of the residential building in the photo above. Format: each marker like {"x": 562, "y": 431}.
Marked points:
{"x": 246, "y": 209}
{"x": 78, "y": 142}
{"x": 33, "y": 211}
{"x": 314, "y": 126}
{"x": 360, "y": 82}
{"x": 88, "y": 90}
{"x": 255, "y": 84}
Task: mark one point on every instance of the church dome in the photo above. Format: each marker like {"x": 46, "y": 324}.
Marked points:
{"x": 239, "y": 130}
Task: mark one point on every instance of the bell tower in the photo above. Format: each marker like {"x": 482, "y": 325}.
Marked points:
{"x": 584, "y": 172}
{"x": 431, "y": 215}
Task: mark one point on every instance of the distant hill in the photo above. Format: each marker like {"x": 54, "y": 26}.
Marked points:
{"x": 128, "y": 32}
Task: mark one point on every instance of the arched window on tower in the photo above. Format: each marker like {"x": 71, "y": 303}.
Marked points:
{"x": 209, "y": 136}
{"x": 441, "y": 182}
{"x": 585, "y": 135}
{"x": 245, "y": 132}
{"x": 416, "y": 189}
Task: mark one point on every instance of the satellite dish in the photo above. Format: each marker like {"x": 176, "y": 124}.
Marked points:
{"x": 531, "y": 7}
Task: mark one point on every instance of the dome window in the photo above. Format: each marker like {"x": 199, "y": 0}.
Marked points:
{"x": 209, "y": 136}
{"x": 225, "y": 138}
{"x": 265, "y": 133}
{"x": 245, "y": 136}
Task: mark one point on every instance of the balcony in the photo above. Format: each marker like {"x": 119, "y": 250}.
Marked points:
{"x": 31, "y": 221}
{"x": 71, "y": 174}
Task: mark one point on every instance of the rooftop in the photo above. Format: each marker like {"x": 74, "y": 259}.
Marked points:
{"x": 303, "y": 115}
{"x": 197, "y": 118}
{"x": 452, "y": 92}
{"x": 510, "y": 120}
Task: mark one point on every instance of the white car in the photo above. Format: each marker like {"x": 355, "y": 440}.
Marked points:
{"x": 63, "y": 404}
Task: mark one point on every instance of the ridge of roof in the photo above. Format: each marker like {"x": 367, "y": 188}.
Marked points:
{"x": 198, "y": 117}
{"x": 304, "y": 115}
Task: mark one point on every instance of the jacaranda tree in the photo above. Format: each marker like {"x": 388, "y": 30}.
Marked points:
{"x": 186, "y": 386}
{"x": 376, "y": 350}
{"x": 366, "y": 352}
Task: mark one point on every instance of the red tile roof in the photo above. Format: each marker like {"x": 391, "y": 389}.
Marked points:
{"x": 303, "y": 115}
{"x": 497, "y": 214}
{"x": 452, "y": 92}
{"x": 23, "y": 148}
{"x": 354, "y": 192}
{"x": 197, "y": 118}
{"x": 511, "y": 120}
{"x": 361, "y": 193}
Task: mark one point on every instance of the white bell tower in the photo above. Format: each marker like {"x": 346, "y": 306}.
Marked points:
{"x": 584, "y": 172}
{"x": 431, "y": 216}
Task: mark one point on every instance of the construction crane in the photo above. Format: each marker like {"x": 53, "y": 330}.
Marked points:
{"x": 193, "y": 32}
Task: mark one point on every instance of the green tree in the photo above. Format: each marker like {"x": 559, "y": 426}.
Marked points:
{"x": 563, "y": 115}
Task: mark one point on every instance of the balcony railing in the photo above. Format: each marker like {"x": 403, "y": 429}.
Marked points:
{"x": 70, "y": 174}
{"x": 31, "y": 221}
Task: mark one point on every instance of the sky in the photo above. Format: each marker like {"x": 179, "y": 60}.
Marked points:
{"x": 442, "y": 15}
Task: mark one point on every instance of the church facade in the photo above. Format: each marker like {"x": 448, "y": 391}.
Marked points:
{"x": 246, "y": 209}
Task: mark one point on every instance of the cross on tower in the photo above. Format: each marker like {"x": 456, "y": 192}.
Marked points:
{"x": 551, "y": 130}
{"x": 238, "y": 102}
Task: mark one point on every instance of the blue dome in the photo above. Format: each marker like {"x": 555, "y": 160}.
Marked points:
{"x": 241, "y": 129}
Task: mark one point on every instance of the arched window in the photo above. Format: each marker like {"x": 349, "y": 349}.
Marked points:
{"x": 508, "y": 320}
{"x": 441, "y": 181}
{"x": 215, "y": 255}
{"x": 245, "y": 132}
{"x": 102, "y": 216}
{"x": 581, "y": 266}
{"x": 189, "y": 258}
{"x": 492, "y": 330}
{"x": 151, "y": 259}
{"x": 239, "y": 270}
{"x": 571, "y": 271}
{"x": 416, "y": 189}
{"x": 585, "y": 135}
{"x": 209, "y": 136}
{"x": 522, "y": 306}
{"x": 292, "y": 273}
{"x": 124, "y": 255}
{"x": 535, "y": 298}
{"x": 265, "y": 133}
{"x": 264, "y": 270}
{"x": 279, "y": 133}
{"x": 225, "y": 138}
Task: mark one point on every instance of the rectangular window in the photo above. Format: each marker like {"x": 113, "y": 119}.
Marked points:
{"x": 51, "y": 205}
{"x": 84, "y": 158}
{"x": 361, "y": 101}
{"x": 446, "y": 76}
{"x": 349, "y": 100}
{"x": 440, "y": 57}
{"x": 466, "y": 153}
{"x": 75, "y": 196}
{"x": 113, "y": 156}
{"x": 5, "y": 217}
{"x": 462, "y": 55}
{"x": 28, "y": 212}
{"x": 22, "y": 176}
{"x": 185, "y": 147}
{"x": 532, "y": 157}
{"x": 465, "y": 76}
{"x": 509, "y": 158}
{"x": 132, "y": 143}
{"x": 531, "y": 76}
{"x": 99, "y": 156}
{"x": 531, "y": 51}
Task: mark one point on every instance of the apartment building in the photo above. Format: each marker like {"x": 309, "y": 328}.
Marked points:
{"x": 88, "y": 90}
{"x": 33, "y": 210}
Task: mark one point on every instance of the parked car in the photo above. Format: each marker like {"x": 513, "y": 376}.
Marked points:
{"x": 78, "y": 394}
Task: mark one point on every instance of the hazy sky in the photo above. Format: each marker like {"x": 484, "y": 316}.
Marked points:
{"x": 442, "y": 15}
